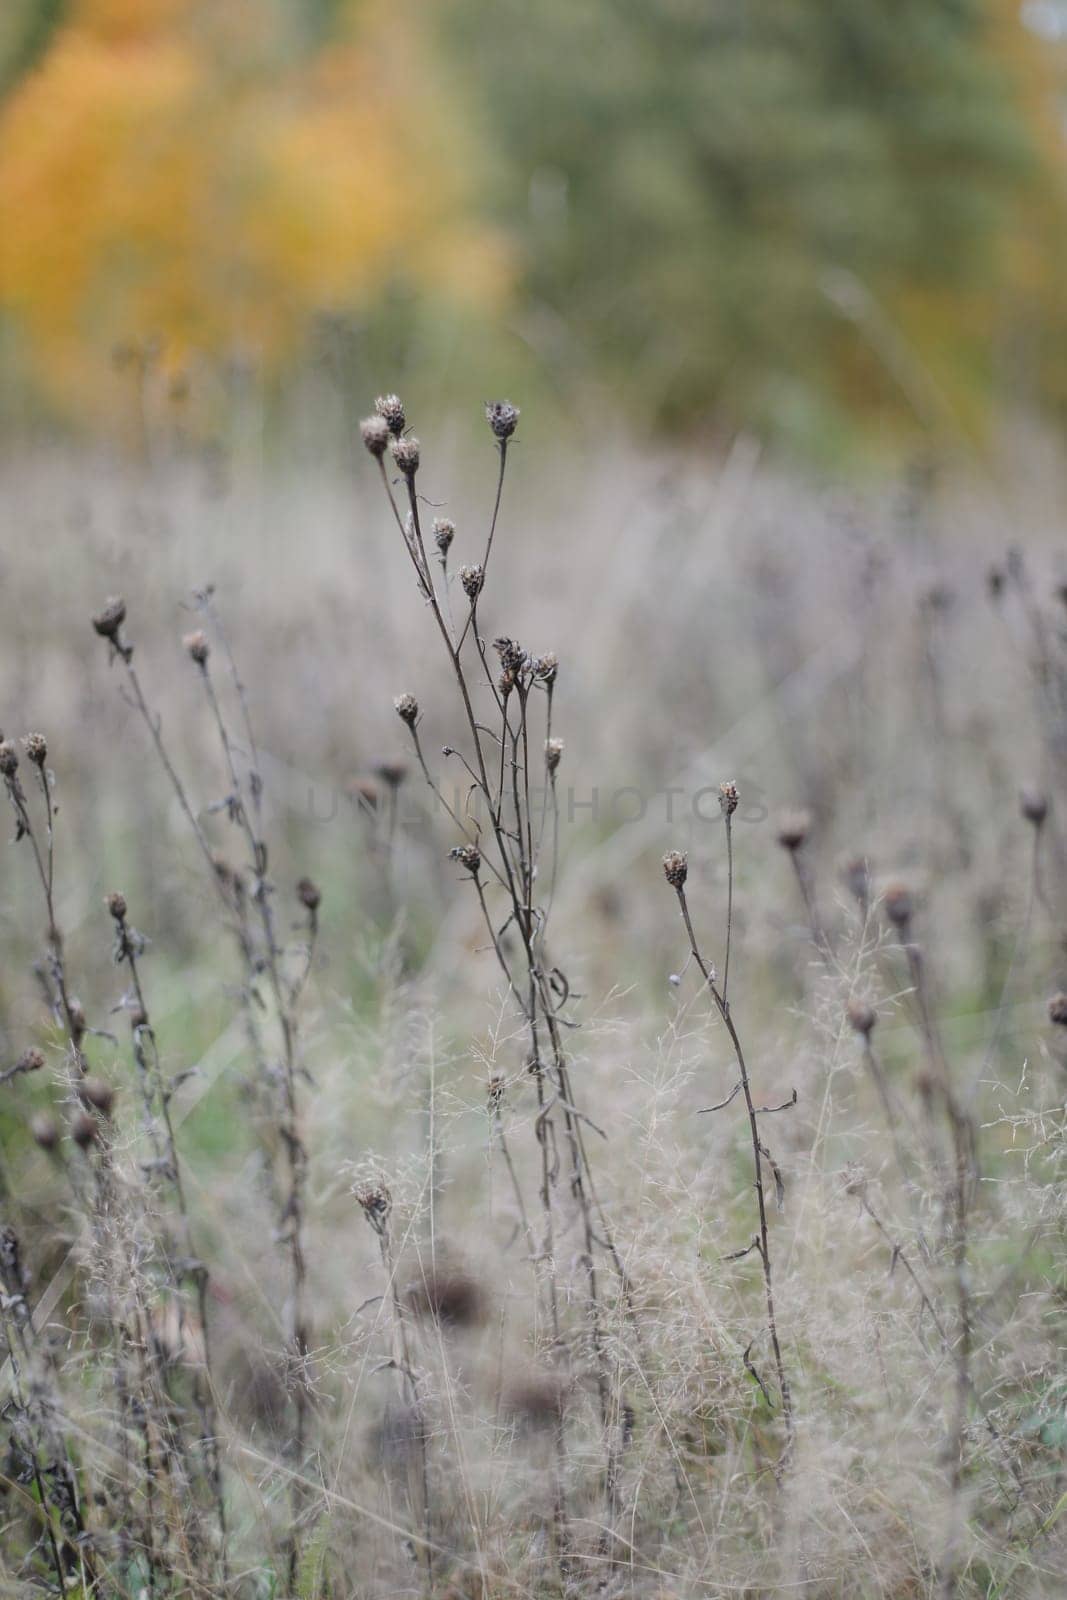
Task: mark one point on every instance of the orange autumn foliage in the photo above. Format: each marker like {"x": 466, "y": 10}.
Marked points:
{"x": 194, "y": 177}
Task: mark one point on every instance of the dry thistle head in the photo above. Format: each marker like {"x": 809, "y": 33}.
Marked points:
{"x": 375, "y": 1202}
{"x": 793, "y": 829}
{"x": 676, "y": 868}
{"x": 1057, "y": 1009}
{"x": 116, "y": 904}
{"x": 108, "y": 621}
{"x": 1034, "y": 806}
{"x": 44, "y": 1130}
{"x": 857, "y": 878}
{"x": 469, "y": 856}
{"x": 473, "y": 580}
{"x": 545, "y": 667}
{"x": 728, "y": 798}
{"x": 83, "y": 1130}
{"x": 391, "y": 411}
{"x": 374, "y": 432}
{"x": 392, "y": 772}
{"x": 309, "y": 894}
{"x": 553, "y": 754}
{"x": 36, "y": 748}
{"x": 502, "y": 417}
{"x": 861, "y": 1017}
{"x": 444, "y": 531}
{"x": 406, "y": 455}
{"x": 197, "y": 647}
{"x": 407, "y": 709}
{"x": 9, "y": 758}
{"x": 99, "y": 1094}
{"x": 899, "y": 905}
{"x": 512, "y": 656}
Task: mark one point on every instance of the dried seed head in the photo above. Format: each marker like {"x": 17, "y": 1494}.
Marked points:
{"x": 793, "y": 829}
{"x": 392, "y": 772}
{"x": 309, "y": 894}
{"x": 473, "y": 579}
{"x": 77, "y": 1021}
{"x": 406, "y": 455}
{"x": 1034, "y": 806}
{"x": 502, "y": 417}
{"x": 83, "y": 1130}
{"x": 728, "y": 798}
{"x": 407, "y": 709}
{"x": 36, "y": 748}
{"x": 376, "y": 1203}
{"x": 109, "y": 620}
{"x": 1057, "y": 1009}
{"x": 899, "y": 905}
{"x": 444, "y": 531}
{"x": 390, "y": 409}
{"x": 99, "y": 1094}
{"x": 854, "y": 1179}
{"x": 862, "y": 1017}
{"x": 448, "y": 1295}
{"x": 44, "y": 1130}
{"x": 116, "y": 904}
{"x": 31, "y": 1060}
{"x": 9, "y": 758}
{"x": 857, "y": 878}
{"x": 469, "y": 856}
{"x": 553, "y": 754}
{"x": 545, "y": 667}
{"x": 512, "y": 655}
{"x": 676, "y": 868}
{"x": 374, "y": 432}
{"x": 197, "y": 646}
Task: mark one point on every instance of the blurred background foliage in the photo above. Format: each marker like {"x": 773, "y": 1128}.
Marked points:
{"x": 834, "y": 222}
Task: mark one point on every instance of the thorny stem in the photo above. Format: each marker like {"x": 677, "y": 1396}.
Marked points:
{"x": 758, "y": 1153}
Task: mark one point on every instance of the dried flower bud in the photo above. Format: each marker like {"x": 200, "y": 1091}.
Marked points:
{"x": 857, "y": 879}
{"x": 108, "y": 621}
{"x": 512, "y": 655}
{"x": 392, "y": 772}
{"x": 473, "y": 579}
{"x": 77, "y": 1021}
{"x": 44, "y": 1130}
{"x": 374, "y": 432}
{"x": 390, "y": 409}
{"x": 406, "y": 455}
{"x": 793, "y": 829}
{"x": 899, "y": 905}
{"x": 309, "y": 894}
{"x": 197, "y": 646}
{"x": 83, "y": 1130}
{"x": 36, "y": 748}
{"x": 116, "y": 904}
{"x": 9, "y": 758}
{"x": 502, "y": 417}
{"x": 728, "y": 798}
{"x": 444, "y": 531}
{"x": 545, "y": 667}
{"x": 1034, "y": 806}
{"x": 99, "y": 1094}
{"x": 31, "y": 1060}
{"x": 1057, "y": 1010}
{"x": 469, "y": 856}
{"x": 676, "y": 868}
{"x": 553, "y": 754}
{"x": 407, "y": 709}
{"x": 376, "y": 1203}
{"x": 861, "y": 1017}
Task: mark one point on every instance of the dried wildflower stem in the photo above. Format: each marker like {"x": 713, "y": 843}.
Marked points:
{"x": 156, "y": 1091}
{"x": 758, "y": 1154}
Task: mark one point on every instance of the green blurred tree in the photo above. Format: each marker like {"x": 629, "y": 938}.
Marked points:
{"x": 781, "y": 213}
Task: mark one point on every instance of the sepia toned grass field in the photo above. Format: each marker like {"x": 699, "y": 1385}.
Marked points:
{"x": 383, "y": 1217}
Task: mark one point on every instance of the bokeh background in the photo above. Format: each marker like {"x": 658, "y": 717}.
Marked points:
{"x": 840, "y": 226}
